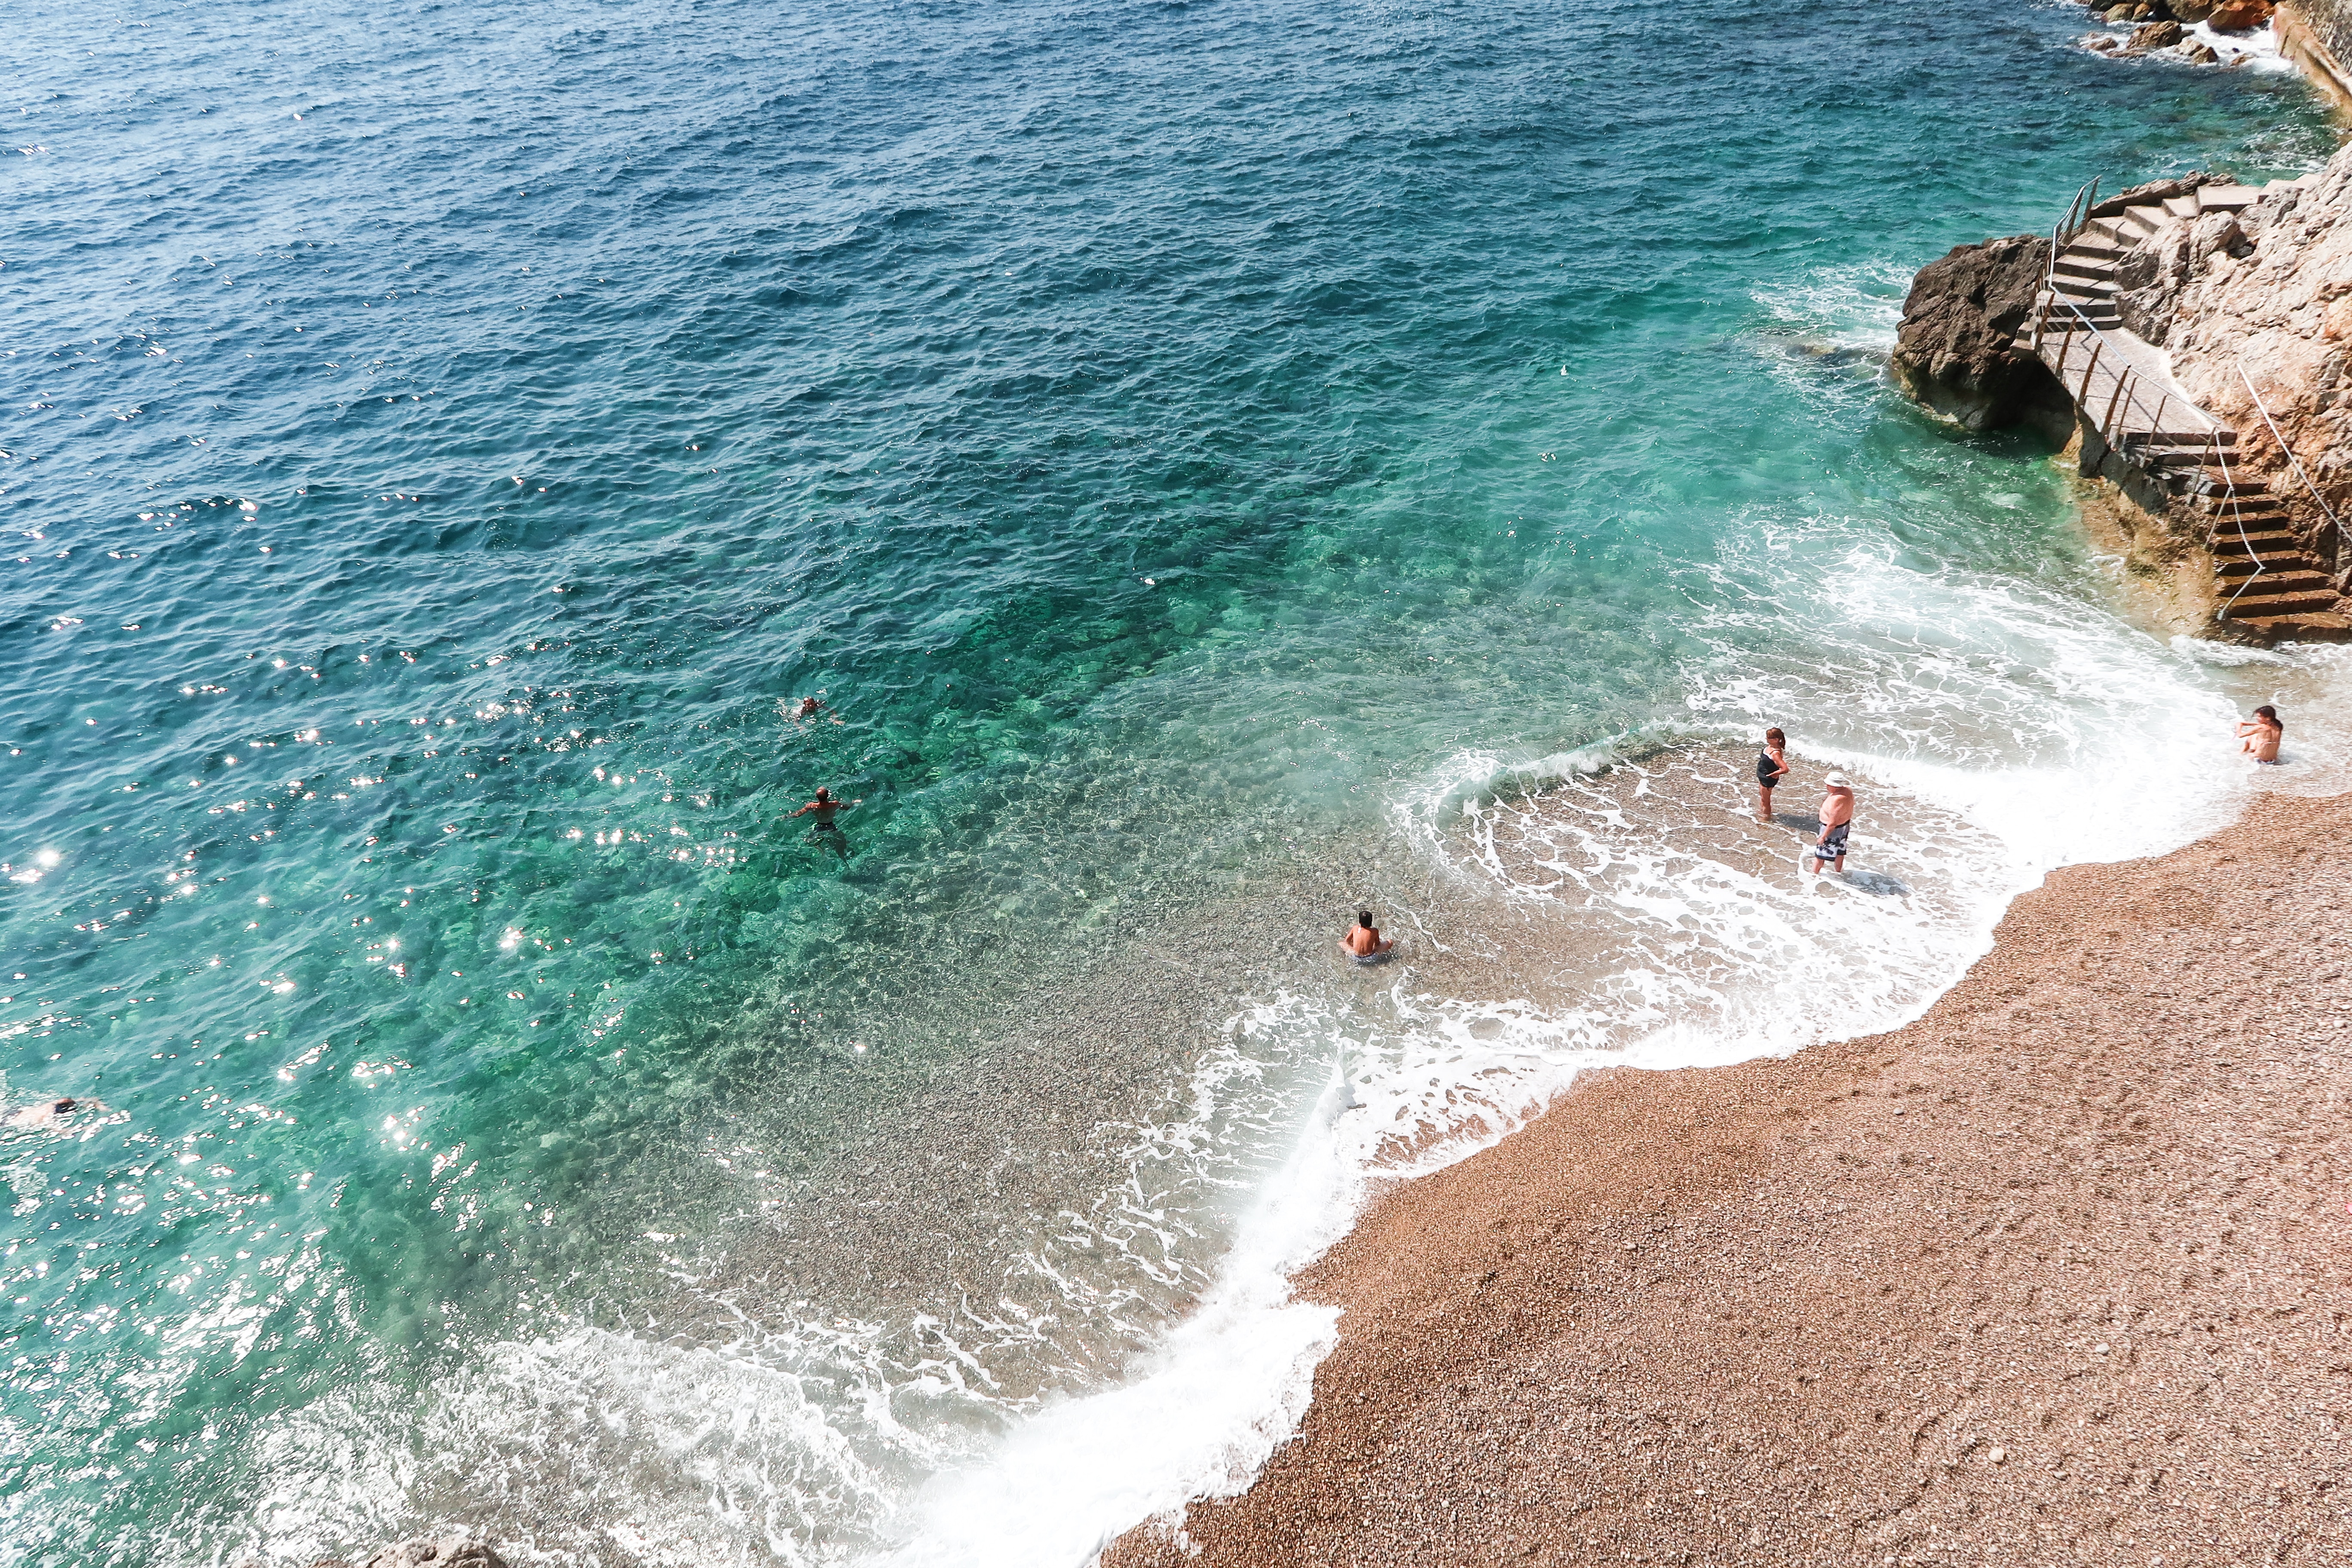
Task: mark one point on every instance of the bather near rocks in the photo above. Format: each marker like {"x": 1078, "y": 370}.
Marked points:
{"x": 1957, "y": 350}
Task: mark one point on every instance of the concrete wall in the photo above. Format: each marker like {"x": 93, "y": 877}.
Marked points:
{"x": 2318, "y": 36}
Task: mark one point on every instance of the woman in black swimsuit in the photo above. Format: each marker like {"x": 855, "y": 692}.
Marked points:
{"x": 1771, "y": 767}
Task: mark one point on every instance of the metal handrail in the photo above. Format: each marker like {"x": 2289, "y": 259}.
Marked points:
{"x": 2332, "y": 520}
{"x": 2079, "y": 208}
{"x": 2237, "y": 515}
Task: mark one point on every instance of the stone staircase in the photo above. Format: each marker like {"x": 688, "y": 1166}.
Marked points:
{"x": 2122, "y": 387}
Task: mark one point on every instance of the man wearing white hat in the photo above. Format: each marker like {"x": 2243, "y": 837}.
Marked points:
{"x": 1837, "y": 820}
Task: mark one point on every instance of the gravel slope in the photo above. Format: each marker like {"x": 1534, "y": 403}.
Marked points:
{"x": 2054, "y": 1275}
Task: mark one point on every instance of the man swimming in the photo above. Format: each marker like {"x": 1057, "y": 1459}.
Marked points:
{"x": 1771, "y": 767}
{"x": 1837, "y": 820}
{"x": 1363, "y": 942}
{"x": 825, "y": 809}
{"x": 2262, "y": 734}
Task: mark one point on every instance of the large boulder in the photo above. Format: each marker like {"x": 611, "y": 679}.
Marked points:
{"x": 2154, "y": 35}
{"x": 2238, "y": 16}
{"x": 1956, "y": 351}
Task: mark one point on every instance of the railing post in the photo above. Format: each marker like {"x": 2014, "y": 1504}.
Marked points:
{"x": 2116, "y": 397}
{"x": 2083, "y": 396}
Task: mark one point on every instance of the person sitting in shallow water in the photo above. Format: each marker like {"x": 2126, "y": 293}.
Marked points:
{"x": 2262, "y": 733}
{"x": 1363, "y": 942}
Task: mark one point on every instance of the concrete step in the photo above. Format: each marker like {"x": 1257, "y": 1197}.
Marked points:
{"x": 2260, "y": 541}
{"x": 2278, "y": 572}
{"x": 2319, "y": 626}
{"x": 2285, "y": 580}
{"x": 2157, "y": 455}
{"x": 2253, "y": 603}
{"x": 2224, "y": 483}
{"x": 2142, "y": 221}
{"x": 2226, "y": 198}
{"x": 2071, "y": 274}
{"x": 2182, "y": 207}
{"x": 2235, "y": 535}
{"x": 2098, "y": 313}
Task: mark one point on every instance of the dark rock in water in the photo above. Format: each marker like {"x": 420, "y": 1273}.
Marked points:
{"x": 1956, "y": 351}
{"x": 2101, "y": 43}
{"x": 449, "y": 1551}
{"x": 2155, "y": 35}
{"x": 2202, "y": 54}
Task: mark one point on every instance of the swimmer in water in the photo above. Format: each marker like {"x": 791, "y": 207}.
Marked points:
{"x": 824, "y": 808}
{"x": 42, "y": 1116}
{"x": 806, "y": 712}
{"x": 1363, "y": 942}
{"x": 2261, "y": 735}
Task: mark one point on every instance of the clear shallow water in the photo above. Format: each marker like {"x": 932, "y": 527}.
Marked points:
{"x": 505, "y": 1119}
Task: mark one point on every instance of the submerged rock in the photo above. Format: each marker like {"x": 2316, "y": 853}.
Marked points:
{"x": 1956, "y": 351}
{"x": 449, "y": 1552}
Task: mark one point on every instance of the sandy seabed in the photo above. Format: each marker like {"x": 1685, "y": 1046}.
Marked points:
{"x": 2054, "y": 1275}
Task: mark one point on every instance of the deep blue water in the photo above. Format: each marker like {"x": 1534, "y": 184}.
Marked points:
{"x": 441, "y": 443}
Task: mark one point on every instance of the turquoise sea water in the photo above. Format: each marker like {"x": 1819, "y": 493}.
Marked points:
{"x": 1195, "y": 451}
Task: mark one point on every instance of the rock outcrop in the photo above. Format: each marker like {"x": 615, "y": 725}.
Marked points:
{"x": 1956, "y": 351}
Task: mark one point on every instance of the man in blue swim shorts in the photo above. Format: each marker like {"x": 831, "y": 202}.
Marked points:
{"x": 1837, "y": 821}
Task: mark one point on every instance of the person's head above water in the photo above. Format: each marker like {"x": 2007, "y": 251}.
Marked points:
{"x": 1364, "y": 919}
{"x": 62, "y": 1105}
{"x": 1774, "y": 738}
{"x": 821, "y": 793}
{"x": 2270, "y": 714}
